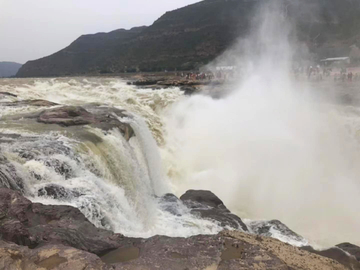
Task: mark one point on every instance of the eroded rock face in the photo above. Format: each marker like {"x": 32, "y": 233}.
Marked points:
{"x": 208, "y": 206}
{"x": 53, "y": 233}
{"x": 31, "y": 224}
{"x": 14, "y": 257}
{"x": 7, "y": 94}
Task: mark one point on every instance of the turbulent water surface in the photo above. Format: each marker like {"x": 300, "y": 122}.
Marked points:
{"x": 119, "y": 181}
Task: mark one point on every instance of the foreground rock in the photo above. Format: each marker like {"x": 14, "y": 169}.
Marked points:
{"x": 14, "y": 257}
{"x": 36, "y": 236}
{"x": 225, "y": 251}
{"x": 207, "y": 205}
{"x": 32, "y": 224}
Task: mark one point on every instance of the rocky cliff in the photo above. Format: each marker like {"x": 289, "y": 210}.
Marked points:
{"x": 9, "y": 69}
{"x": 189, "y": 37}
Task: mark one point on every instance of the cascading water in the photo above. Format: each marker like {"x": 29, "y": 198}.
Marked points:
{"x": 116, "y": 183}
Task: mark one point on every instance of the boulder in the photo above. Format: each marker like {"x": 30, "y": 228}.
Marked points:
{"x": 351, "y": 249}
{"x": 14, "y": 257}
{"x": 33, "y": 224}
{"x": 208, "y": 206}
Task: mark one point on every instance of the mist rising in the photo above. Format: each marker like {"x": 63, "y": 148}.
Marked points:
{"x": 269, "y": 149}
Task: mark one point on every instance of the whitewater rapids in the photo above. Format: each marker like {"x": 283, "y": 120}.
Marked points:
{"x": 265, "y": 158}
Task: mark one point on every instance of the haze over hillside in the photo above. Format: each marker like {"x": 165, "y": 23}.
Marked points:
{"x": 192, "y": 36}
{"x": 8, "y": 69}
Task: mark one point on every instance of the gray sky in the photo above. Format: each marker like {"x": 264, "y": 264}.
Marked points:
{"x": 30, "y": 29}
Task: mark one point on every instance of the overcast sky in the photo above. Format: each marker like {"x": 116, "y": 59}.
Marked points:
{"x": 30, "y": 29}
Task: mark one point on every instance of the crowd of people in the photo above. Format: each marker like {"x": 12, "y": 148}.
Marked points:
{"x": 217, "y": 75}
{"x": 318, "y": 73}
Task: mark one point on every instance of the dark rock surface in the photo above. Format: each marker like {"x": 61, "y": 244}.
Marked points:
{"x": 208, "y": 206}
{"x": 9, "y": 177}
{"x": 60, "y": 237}
{"x": 67, "y": 116}
{"x": 101, "y": 117}
{"x": 58, "y": 192}
{"x": 30, "y": 102}
{"x": 337, "y": 254}
{"x": 32, "y": 224}
{"x": 351, "y": 249}
{"x": 8, "y": 94}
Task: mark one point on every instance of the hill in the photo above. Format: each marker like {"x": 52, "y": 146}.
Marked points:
{"x": 192, "y": 36}
{"x": 9, "y": 69}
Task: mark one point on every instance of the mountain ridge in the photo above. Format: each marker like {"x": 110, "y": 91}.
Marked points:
{"x": 9, "y": 69}
{"x": 192, "y": 36}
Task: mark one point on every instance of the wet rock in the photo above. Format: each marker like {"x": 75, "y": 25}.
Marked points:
{"x": 9, "y": 177}
{"x": 33, "y": 224}
{"x": 9, "y": 138}
{"x": 14, "y": 257}
{"x": 207, "y": 205}
{"x": 66, "y": 116}
{"x": 104, "y": 118}
{"x": 337, "y": 254}
{"x": 60, "y": 167}
{"x": 188, "y": 90}
{"x": 170, "y": 203}
{"x": 351, "y": 249}
{"x": 58, "y": 192}
{"x": 33, "y": 102}
{"x": 8, "y": 94}
{"x": 144, "y": 82}
{"x": 274, "y": 228}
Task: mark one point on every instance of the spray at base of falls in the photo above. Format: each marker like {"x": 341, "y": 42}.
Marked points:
{"x": 268, "y": 149}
